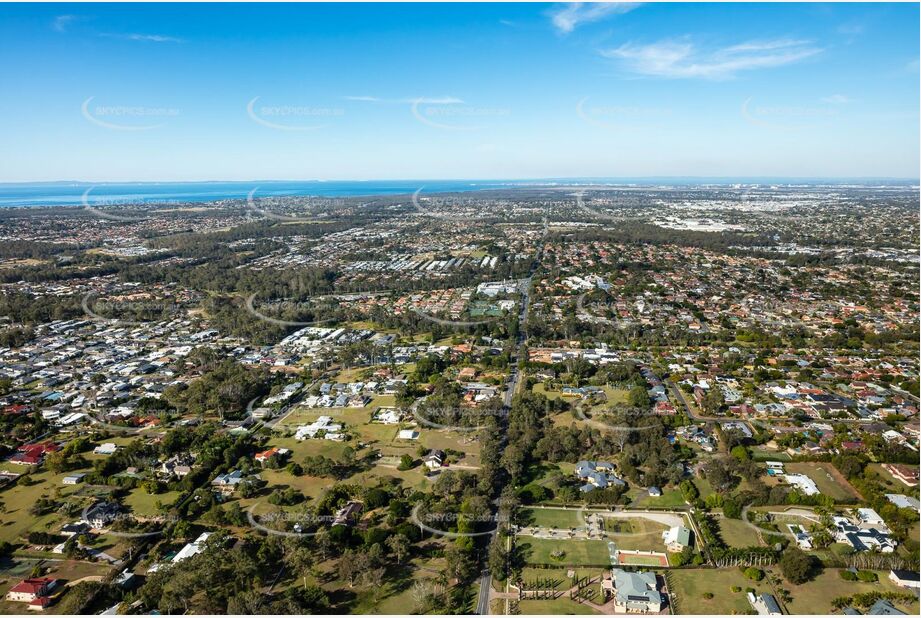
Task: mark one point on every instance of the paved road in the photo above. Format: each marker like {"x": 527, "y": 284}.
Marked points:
{"x": 514, "y": 379}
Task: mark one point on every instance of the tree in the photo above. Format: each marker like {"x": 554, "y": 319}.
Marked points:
{"x": 797, "y": 566}
{"x": 740, "y": 453}
{"x": 351, "y": 565}
{"x": 398, "y": 545}
{"x": 498, "y": 557}
{"x": 639, "y": 397}
{"x": 406, "y": 462}
{"x": 714, "y": 401}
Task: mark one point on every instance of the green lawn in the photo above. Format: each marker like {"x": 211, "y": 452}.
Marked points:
{"x": 561, "y": 580}
{"x": 578, "y": 552}
{"x": 143, "y": 504}
{"x": 15, "y": 520}
{"x": 635, "y": 533}
{"x": 562, "y": 605}
{"x": 736, "y": 533}
{"x": 687, "y": 587}
{"x": 553, "y": 518}
{"x": 640, "y": 498}
{"x": 815, "y": 597}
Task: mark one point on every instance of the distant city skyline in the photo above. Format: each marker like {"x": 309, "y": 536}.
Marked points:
{"x": 115, "y": 93}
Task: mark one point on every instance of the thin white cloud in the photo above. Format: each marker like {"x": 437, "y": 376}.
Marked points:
{"x": 148, "y": 38}
{"x": 852, "y": 28}
{"x": 681, "y": 59}
{"x": 836, "y": 99}
{"x": 62, "y": 22}
{"x": 567, "y": 17}
{"x": 362, "y": 98}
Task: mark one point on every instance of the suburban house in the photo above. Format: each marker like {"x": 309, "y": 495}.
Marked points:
{"x": 633, "y": 592}
{"x": 765, "y": 604}
{"x": 434, "y": 459}
{"x": 802, "y": 536}
{"x": 903, "y": 473}
{"x": 348, "y": 513}
{"x": 101, "y": 514}
{"x": 802, "y": 483}
{"x": 325, "y": 424}
{"x": 278, "y": 453}
{"x": 33, "y": 454}
{"x": 905, "y": 579}
{"x": 597, "y": 474}
{"x": 227, "y": 483}
{"x": 862, "y": 539}
{"x": 177, "y": 465}
{"x": 883, "y": 607}
{"x": 870, "y": 518}
{"x": 676, "y": 538}
{"x": 188, "y": 550}
{"x": 107, "y": 448}
{"x": 34, "y": 591}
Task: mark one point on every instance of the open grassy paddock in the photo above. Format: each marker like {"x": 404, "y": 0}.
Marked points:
{"x": 827, "y": 478}
{"x": 737, "y": 534}
{"x": 578, "y": 552}
{"x": 815, "y": 597}
{"x": 688, "y": 586}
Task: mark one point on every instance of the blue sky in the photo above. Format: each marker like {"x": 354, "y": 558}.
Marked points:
{"x": 237, "y": 92}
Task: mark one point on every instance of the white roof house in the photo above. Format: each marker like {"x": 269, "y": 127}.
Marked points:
{"x": 870, "y": 517}
{"x": 107, "y": 448}
{"x": 803, "y": 483}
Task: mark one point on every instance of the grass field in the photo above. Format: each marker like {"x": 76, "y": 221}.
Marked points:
{"x": 635, "y": 533}
{"x": 562, "y": 605}
{"x": 559, "y": 576}
{"x": 815, "y": 597}
{"x": 736, "y": 534}
{"x": 553, "y": 518}
{"x": 577, "y": 551}
{"x": 143, "y": 504}
{"x": 827, "y": 478}
{"x": 357, "y": 421}
{"x": 640, "y": 498}
{"x": 761, "y": 454}
{"x": 640, "y": 560}
{"x": 15, "y": 520}
{"x": 687, "y": 587}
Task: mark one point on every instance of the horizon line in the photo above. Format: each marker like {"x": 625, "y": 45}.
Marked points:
{"x": 736, "y": 178}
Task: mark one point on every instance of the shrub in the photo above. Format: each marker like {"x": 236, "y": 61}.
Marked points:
{"x": 867, "y": 576}
{"x": 708, "y": 595}
{"x": 754, "y": 574}
{"x": 848, "y": 576}
{"x": 736, "y": 588}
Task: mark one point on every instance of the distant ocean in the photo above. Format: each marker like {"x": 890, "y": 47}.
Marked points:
{"x": 72, "y": 193}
